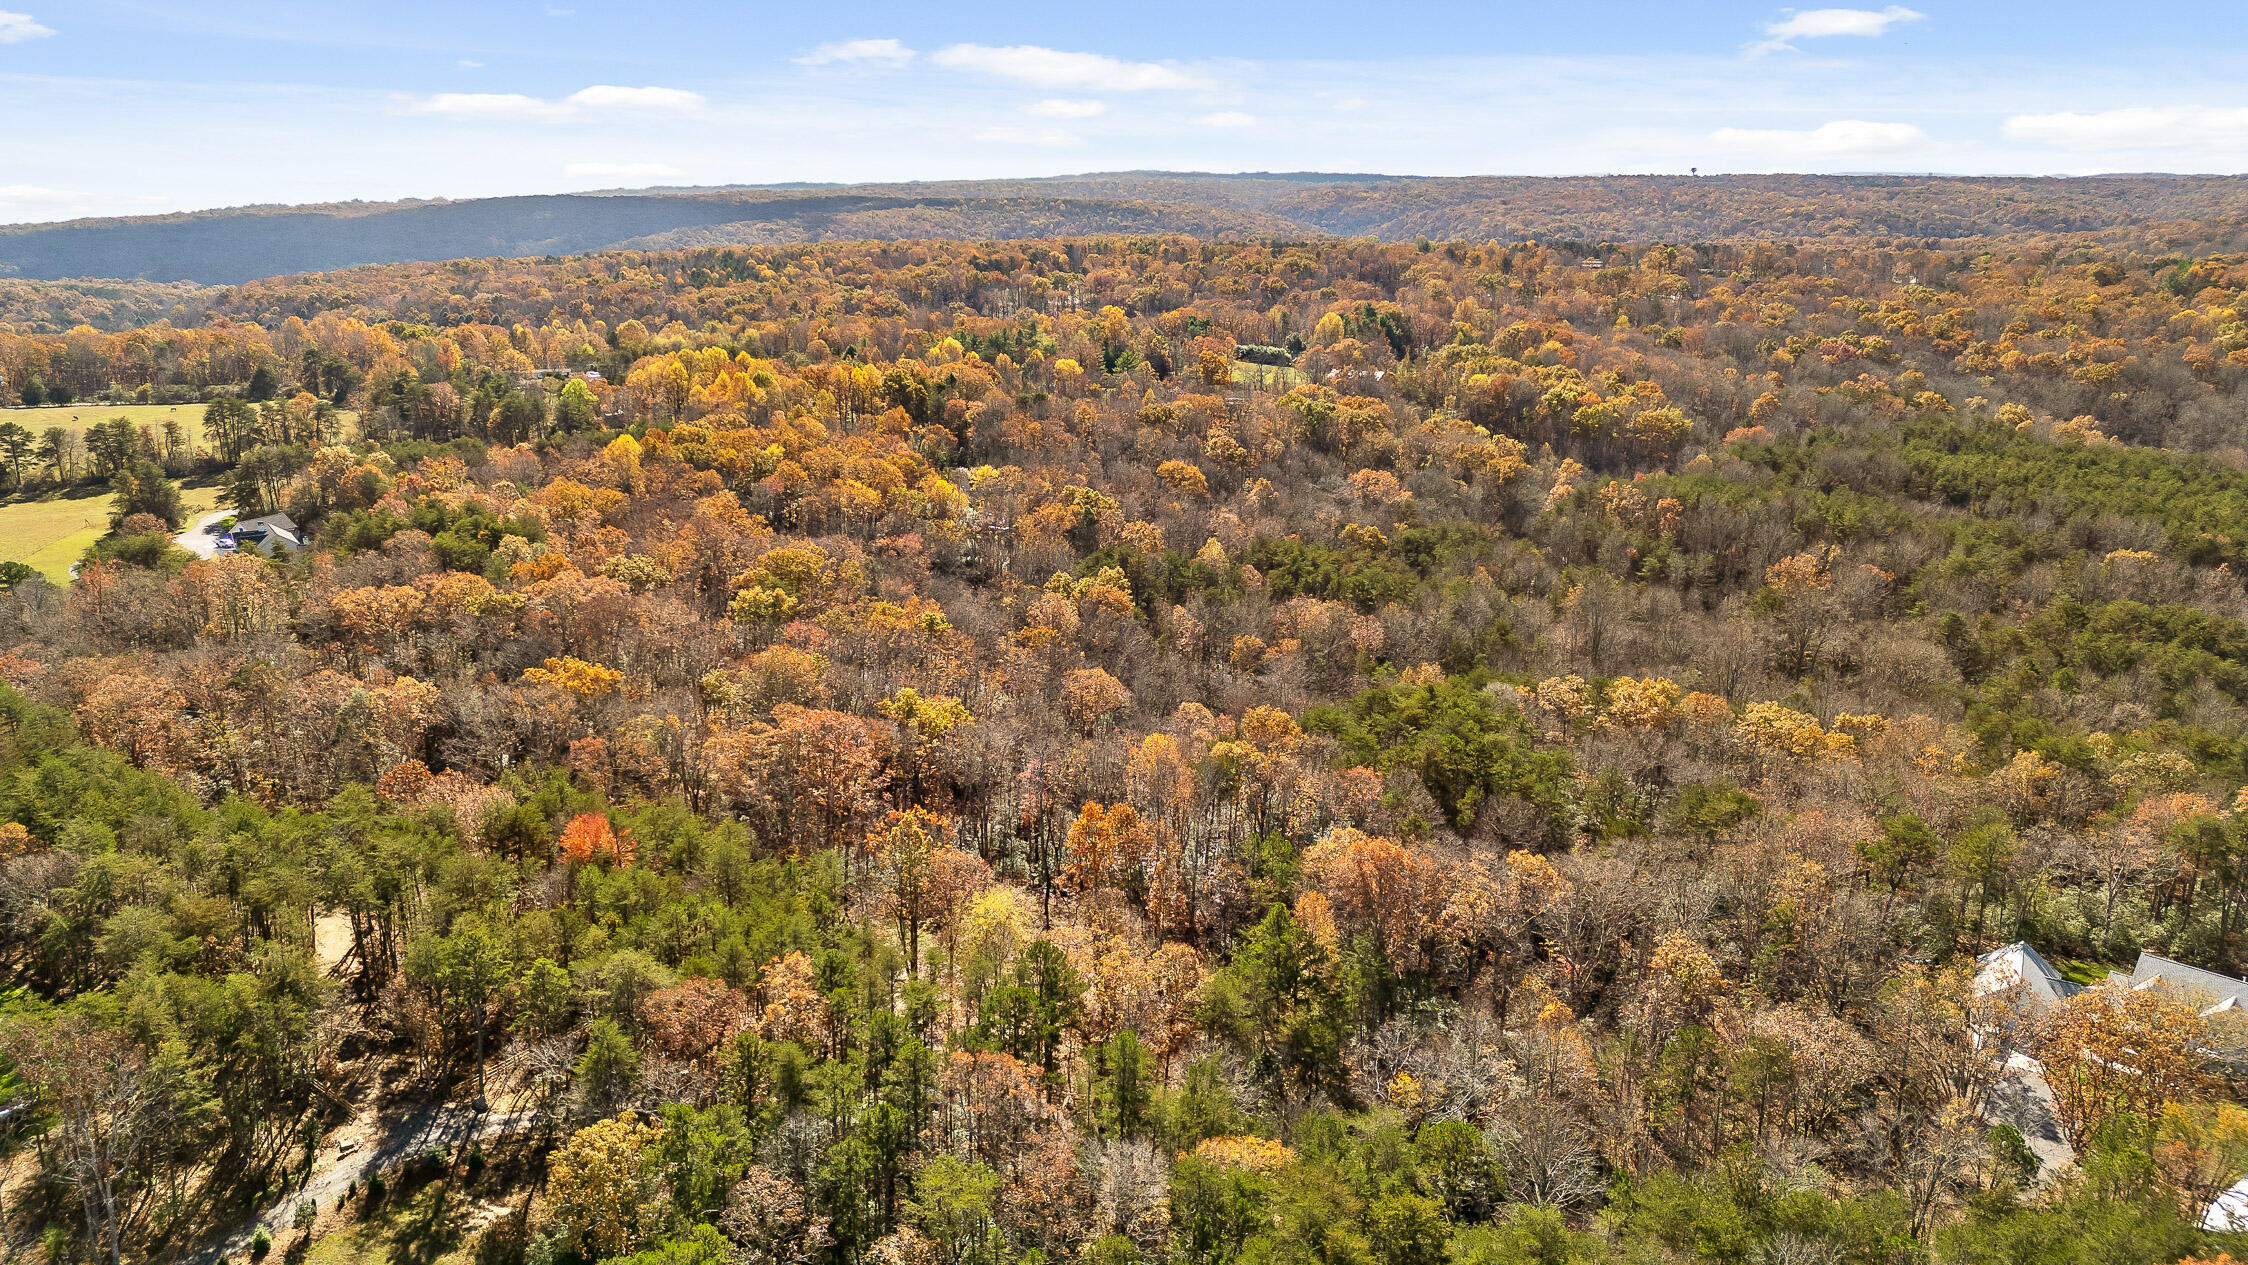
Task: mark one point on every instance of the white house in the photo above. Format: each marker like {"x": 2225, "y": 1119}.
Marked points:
{"x": 2018, "y": 963}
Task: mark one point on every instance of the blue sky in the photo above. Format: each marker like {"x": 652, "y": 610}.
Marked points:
{"x": 120, "y": 107}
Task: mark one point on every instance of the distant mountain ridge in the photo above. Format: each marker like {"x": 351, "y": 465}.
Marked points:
{"x": 230, "y": 247}
{"x": 225, "y": 247}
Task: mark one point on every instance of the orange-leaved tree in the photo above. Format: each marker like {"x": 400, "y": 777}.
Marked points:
{"x": 1106, "y": 843}
{"x": 589, "y": 837}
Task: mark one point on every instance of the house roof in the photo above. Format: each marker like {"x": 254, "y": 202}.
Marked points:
{"x": 262, "y": 534}
{"x": 2020, "y": 960}
{"x": 2230, "y": 1212}
{"x": 2213, "y": 992}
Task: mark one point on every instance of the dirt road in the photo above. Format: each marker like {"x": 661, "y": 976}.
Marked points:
{"x": 364, "y": 1147}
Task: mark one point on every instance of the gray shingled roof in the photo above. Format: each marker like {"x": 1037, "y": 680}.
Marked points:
{"x": 2212, "y": 987}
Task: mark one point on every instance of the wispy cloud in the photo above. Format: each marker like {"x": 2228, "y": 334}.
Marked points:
{"x": 1065, "y": 108}
{"x": 22, "y": 202}
{"x": 2139, "y": 127}
{"x": 1227, "y": 119}
{"x": 1814, "y": 24}
{"x": 603, "y": 96}
{"x": 1054, "y": 68}
{"x": 33, "y": 193}
{"x": 621, "y": 171}
{"x": 1843, "y": 138}
{"x": 1571, "y": 113}
{"x": 514, "y": 106}
{"x": 1041, "y": 137}
{"x": 469, "y": 63}
{"x": 885, "y": 54}
{"x": 488, "y": 105}
{"x": 16, "y": 28}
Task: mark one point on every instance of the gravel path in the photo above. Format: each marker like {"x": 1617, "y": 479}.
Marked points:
{"x": 353, "y": 1156}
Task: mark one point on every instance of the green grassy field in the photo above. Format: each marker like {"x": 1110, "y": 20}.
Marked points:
{"x": 82, "y": 415}
{"x": 79, "y": 417}
{"x": 1248, "y": 373}
{"x": 52, "y": 533}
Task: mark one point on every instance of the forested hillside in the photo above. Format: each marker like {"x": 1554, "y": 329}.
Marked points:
{"x": 1147, "y": 749}
{"x": 229, "y": 246}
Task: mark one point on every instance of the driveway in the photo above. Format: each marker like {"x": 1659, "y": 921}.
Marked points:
{"x": 2024, "y": 1101}
{"x": 201, "y": 537}
{"x": 365, "y": 1147}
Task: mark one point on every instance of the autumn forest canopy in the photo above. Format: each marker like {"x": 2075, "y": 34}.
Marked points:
{"x": 1232, "y": 746}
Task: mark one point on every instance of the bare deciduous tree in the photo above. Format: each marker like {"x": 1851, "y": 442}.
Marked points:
{"x": 1549, "y": 1160}
{"x": 106, "y": 1107}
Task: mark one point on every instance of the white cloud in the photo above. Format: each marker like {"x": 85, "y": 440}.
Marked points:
{"x": 1567, "y": 115}
{"x": 2141, "y": 127}
{"x": 1042, "y": 137}
{"x": 1842, "y": 138}
{"x": 603, "y": 96}
{"x": 488, "y": 105}
{"x": 466, "y": 63}
{"x": 1227, "y": 118}
{"x": 1064, "y": 108}
{"x": 1814, "y": 24}
{"x": 11, "y": 193}
{"x": 516, "y": 106}
{"x": 621, "y": 171}
{"x": 16, "y": 28}
{"x": 1351, "y": 104}
{"x": 888, "y": 54}
{"x": 20, "y": 203}
{"x": 1053, "y": 68}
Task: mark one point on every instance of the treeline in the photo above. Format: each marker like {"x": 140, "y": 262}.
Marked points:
{"x": 242, "y": 244}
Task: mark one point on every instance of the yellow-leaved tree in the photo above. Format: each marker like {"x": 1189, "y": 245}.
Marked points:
{"x": 602, "y": 1195}
{"x": 2113, "y": 1049}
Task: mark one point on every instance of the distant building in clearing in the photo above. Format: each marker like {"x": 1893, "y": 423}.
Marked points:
{"x": 536, "y": 379}
{"x": 265, "y": 535}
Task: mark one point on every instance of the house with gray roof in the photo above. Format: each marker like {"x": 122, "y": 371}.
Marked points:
{"x": 2043, "y": 984}
{"x": 266, "y": 535}
{"x": 2214, "y": 994}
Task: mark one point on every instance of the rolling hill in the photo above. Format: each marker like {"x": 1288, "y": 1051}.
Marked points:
{"x": 225, "y": 247}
